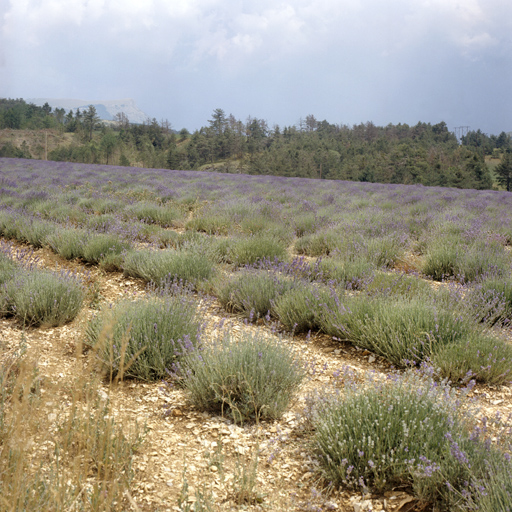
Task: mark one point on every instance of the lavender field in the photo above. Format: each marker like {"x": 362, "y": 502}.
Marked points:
{"x": 236, "y": 283}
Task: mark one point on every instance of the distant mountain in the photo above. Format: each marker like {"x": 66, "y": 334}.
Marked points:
{"x": 105, "y": 109}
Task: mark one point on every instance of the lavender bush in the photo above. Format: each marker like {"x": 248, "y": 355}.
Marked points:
{"x": 159, "y": 266}
{"x": 144, "y": 338}
{"x": 34, "y": 232}
{"x": 400, "y": 329}
{"x": 68, "y": 243}
{"x": 251, "y": 292}
{"x": 298, "y": 309}
{"x": 483, "y": 358}
{"x": 385, "y": 284}
{"x": 318, "y": 244}
{"x": 450, "y": 258}
{"x": 350, "y": 272}
{"x": 253, "y": 378}
{"x": 43, "y": 298}
{"x": 490, "y": 300}
{"x": 210, "y": 224}
{"x": 100, "y": 246}
{"x": 153, "y": 213}
{"x": 406, "y": 430}
{"x": 7, "y": 267}
{"x": 247, "y": 251}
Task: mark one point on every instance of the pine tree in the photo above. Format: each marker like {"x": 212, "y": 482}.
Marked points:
{"x": 91, "y": 120}
{"x": 504, "y": 171}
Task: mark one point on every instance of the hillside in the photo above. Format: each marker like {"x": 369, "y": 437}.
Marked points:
{"x": 106, "y": 109}
{"x": 422, "y": 154}
{"x": 34, "y": 143}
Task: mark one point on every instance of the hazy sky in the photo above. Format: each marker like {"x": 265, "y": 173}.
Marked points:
{"x": 346, "y": 61}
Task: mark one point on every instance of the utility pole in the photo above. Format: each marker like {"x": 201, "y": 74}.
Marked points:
{"x": 461, "y": 131}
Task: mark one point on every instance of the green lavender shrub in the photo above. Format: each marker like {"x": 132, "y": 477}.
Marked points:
{"x": 408, "y": 430}
{"x": 253, "y": 378}
{"x": 390, "y": 284}
{"x": 68, "y": 243}
{"x": 7, "y": 267}
{"x": 35, "y": 232}
{"x": 350, "y": 272}
{"x": 44, "y": 298}
{"x": 210, "y": 224}
{"x": 160, "y": 266}
{"x": 7, "y": 272}
{"x": 483, "y": 358}
{"x": 321, "y": 243}
{"x": 247, "y": 251}
{"x": 251, "y": 292}
{"x": 446, "y": 258}
{"x": 483, "y": 257}
{"x": 441, "y": 259}
{"x": 144, "y": 338}
{"x": 153, "y": 213}
{"x": 490, "y": 301}
{"x": 298, "y": 309}
{"x": 101, "y": 245}
{"x": 401, "y": 330}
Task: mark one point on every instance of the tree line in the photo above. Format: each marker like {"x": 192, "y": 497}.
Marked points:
{"x": 425, "y": 153}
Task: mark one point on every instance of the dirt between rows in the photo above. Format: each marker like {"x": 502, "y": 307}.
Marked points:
{"x": 207, "y": 452}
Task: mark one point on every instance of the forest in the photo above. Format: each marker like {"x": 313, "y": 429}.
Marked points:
{"x": 427, "y": 154}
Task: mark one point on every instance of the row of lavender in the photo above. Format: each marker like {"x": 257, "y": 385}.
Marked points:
{"x": 456, "y": 233}
{"x": 313, "y": 255}
{"x": 253, "y": 225}
{"x": 37, "y": 296}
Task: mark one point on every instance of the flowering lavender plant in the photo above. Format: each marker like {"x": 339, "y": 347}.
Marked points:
{"x": 406, "y": 430}
{"x": 143, "y": 338}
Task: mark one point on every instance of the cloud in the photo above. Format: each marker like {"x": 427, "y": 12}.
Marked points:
{"x": 229, "y": 29}
{"x": 365, "y": 58}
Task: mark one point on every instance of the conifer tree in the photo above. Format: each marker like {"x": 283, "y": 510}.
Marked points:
{"x": 504, "y": 171}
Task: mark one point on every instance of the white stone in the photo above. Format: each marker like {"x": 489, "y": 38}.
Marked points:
{"x": 362, "y": 506}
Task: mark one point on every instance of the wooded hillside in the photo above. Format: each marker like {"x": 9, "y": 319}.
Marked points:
{"x": 424, "y": 153}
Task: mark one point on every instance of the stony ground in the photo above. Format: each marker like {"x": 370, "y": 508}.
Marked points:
{"x": 192, "y": 454}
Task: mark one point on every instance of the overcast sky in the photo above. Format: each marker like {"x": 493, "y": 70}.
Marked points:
{"x": 346, "y": 61}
